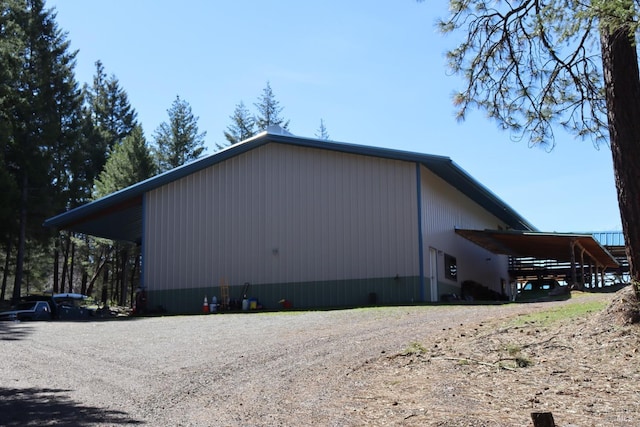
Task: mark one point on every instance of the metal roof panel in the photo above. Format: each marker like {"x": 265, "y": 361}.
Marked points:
{"x": 118, "y": 216}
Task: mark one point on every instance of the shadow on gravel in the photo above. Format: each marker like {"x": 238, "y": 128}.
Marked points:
{"x": 43, "y": 407}
{"x": 9, "y": 331}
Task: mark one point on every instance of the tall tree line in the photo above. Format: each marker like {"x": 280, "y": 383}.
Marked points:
{"x": 268, "y": 112}
{"x": 245, "y": 125}
{"x": 62, "y": 146}
{"x": 40, "y": 127}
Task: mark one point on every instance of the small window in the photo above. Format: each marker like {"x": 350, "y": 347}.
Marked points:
{"x": 450, "y": 267}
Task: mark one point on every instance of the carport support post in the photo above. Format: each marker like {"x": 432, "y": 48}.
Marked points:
{"x": 581, "y": 268}
{"x": 573, "y": 264}
{"x": 596, "y": 285}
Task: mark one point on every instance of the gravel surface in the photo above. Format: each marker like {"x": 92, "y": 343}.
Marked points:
{"x": 288, "y": 368}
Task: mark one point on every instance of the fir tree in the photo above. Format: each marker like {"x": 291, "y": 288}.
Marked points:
{"x": 40, "y": 117}
{"x": 109, "y": 106}
{"x": 242, "y": 125}
{"x": 12, "y": 40}
{"x": 322, "y": 132}
{"x": 269, "y": 111}
{"x": 178, "y": 142}
{"x": 109, "y": 117}
{"x": 129, "y": 163}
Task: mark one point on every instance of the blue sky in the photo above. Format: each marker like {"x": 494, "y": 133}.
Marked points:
{"x": 373, "y": 71}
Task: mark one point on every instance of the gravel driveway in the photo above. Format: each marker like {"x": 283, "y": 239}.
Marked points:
{"x": 289, "y": 368}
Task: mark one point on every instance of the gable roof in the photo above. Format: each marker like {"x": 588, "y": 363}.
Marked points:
{"x": 118, "y": 216}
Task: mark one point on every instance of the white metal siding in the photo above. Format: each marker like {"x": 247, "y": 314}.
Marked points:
{"x": 445, "y": 209}
{"x": 283, "y": 213}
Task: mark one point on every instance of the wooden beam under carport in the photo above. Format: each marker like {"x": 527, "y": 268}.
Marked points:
{"x": 544, "y": 246}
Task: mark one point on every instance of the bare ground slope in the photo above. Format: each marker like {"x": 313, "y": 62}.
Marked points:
{"x": 428, "y": 365}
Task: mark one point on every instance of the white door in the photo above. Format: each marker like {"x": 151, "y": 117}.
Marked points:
{"x": 433, "y": 273}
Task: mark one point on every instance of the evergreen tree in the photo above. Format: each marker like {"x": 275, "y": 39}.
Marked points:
{"x": 242, "y": 125}
{"x": 8, "y": 225}
{"x": 269, "y": 111}
{"x": 178, "y": 142}
{"x": 109, "y": 117}
{"x": 322, "y": 131}
{"x": 532, "y": 65}
{"x": 12, "y": 40}
{"x": 129, "y": 163}
{"x": 41, "y": 111}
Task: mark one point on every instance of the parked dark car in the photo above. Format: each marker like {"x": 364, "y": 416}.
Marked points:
{"x": 67, "y": 306}
{"x": 28, "y": 310}
{"x": 540, "y": 288}
{"x": 72, "y": 306}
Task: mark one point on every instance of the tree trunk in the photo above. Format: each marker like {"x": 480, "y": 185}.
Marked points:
{"x": 101, "y": 264}
{"x": 115, "y": 267}
{"x": 22, "y": 236}
{"x": 65, "y": 262}
{"x": 73, "y": 256}
{"x": 105, "y": 284}
{"x": 124, "y": 276}
{"x": 5, "y": 273}
{"x": 137, "y": 257}
{"x": 56, "y": 265}
{"x": 83, "y": 282}
{"x": 622, "y": 85}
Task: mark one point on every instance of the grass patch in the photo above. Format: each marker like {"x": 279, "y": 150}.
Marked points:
{"x": 513, "y": 350}
{"x": 414, "y": 348}
{"x": 569, "y": 311}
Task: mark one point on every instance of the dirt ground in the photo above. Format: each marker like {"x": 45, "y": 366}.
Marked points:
{"x": 467, "y": 365}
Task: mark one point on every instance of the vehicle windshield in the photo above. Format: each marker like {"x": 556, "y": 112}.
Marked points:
{"x": 25, "y": 306}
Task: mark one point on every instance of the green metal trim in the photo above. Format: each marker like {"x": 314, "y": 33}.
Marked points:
{"x": 302, "y": 295}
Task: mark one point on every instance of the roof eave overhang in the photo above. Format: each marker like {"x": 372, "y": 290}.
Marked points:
{"x": 81, "y": 217}
{"x": 557, "y": 246}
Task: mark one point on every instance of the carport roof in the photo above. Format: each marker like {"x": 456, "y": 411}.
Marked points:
{"x": 538, "y": 245}
{"x": 118, "y": 216}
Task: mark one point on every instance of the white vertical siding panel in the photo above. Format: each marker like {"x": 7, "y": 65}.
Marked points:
{"x": 444, "y": 209}
{"x": 200, "y": 219}
{"x": 329, "y": 215}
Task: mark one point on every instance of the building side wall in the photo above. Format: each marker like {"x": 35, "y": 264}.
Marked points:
{"x": 283, "y": 214}
{"x": 444, "y": 210}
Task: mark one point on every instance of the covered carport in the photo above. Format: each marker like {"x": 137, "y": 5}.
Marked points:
{"x": 537, "y": 254}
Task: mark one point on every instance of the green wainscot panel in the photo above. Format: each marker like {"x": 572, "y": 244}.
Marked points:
{"x": 297, "y": 295}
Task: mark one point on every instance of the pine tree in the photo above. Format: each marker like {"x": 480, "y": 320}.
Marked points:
{"x": 178, "y": 142}
{"x": 269, "y": 111}
{"x": 322, "y": 132}
{"x": 242, "y": 125}
{"x": 533, "y": 65}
